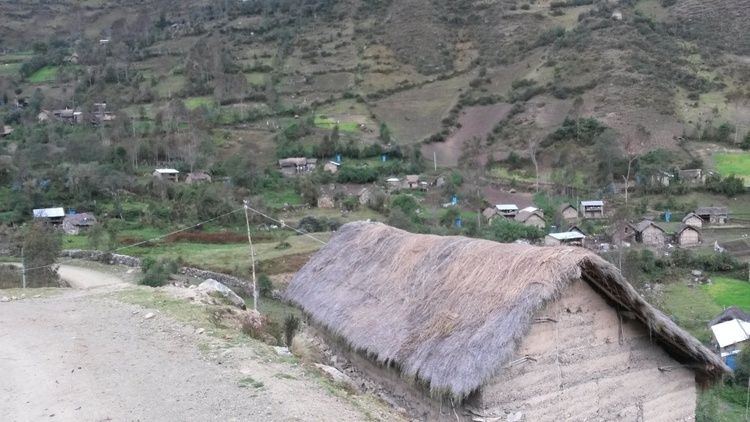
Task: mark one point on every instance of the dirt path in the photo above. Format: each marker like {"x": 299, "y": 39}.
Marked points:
{"x": 82, "y": 356}
{"x": 84, "y": 278}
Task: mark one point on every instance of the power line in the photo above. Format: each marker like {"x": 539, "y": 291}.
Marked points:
{"x": 282, "y": 225}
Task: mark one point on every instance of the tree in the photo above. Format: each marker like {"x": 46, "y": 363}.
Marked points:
{"x": 41, "y": 247}
{"x": 309, "y": 190}
{"x": 385, "y": 133}
{"x": 737, "y": 98}
{"x": 633, "y": 149}
{"x": 577, "y": 110}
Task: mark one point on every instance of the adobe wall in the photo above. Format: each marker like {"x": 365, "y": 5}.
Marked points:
{"x": 386, "y": 382}
{"x": 584, "y": 369}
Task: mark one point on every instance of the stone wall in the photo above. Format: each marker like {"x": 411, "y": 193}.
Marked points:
{"x": 240, "y": 286}
{"x": 105, "y": 257}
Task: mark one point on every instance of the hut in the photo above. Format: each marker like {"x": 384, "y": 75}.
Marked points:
{"x": 491, "y": 329}
{"x": 293, "y": 166}
{"x": 713, "y": 215}
{"x": 648, "y": 233}
{"x": 168, "y": 174}
{"x": 621, "y": 231}
{"x": 412, "y": 182}
{"x": 686, "y": 236}
{"x": 732, "y": 312}
{"x": 331, "y": 167}
{"x": 489, "y": 213}
{"x": 691, "y": 176}
{"x": 531, "y": 218}
{"x": 567, "y": 213}
{"x": 592, "y": 209}
{"x": 693, "y": 219}
{"x": 571, "y": 238}
{"x": 198, "y": 177}
{"x": 393, "y": 182}
{"x": 74, "y": 223}
{"x": 507, "y": 210}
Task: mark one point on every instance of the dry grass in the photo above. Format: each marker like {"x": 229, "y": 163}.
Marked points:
{"x": 425, "y": 301}
{"x": 304, "y": 349}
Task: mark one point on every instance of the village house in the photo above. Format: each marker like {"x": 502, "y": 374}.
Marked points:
{"x": 489, "y": 213}
{"x": 198, "y": 177}
{"x": 74, "y": 223}
{"x": 650, "y": 234}
{"x": 729, "y": 338}
{"x": 568, "y": 213}
{"x": 393, "y": 182}
{"x": 531, "y": 218}
{"x": 713, "y": 215}
{"x": 412, "y": 182}
{"x": 509, "y": 211}
{"x": 662, "y": 178}
{"x": 5, "y": 130}
{"x": 691, "y": 176}
{"x": 621, "y": 231}
{"x": 686, "y": 236}
{"x": 67, "y": 115}
{"x": 504, "y": 330}
{"x": 49, "y": 215}
{"x": 294, "y": 166}
{"x": 570, "y": 238}
{"x": 728, "y": 314}
{"x": 693, "y": 219}
{"x": 312, "y": 163}
{"x": 592, "y": 209}
{"x": 167, "y": 174}
{"x": 577, "y": 229}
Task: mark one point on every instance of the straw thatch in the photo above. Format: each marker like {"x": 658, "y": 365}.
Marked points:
{"x": 729, "y": 314}
{"x": 450, "y": 311}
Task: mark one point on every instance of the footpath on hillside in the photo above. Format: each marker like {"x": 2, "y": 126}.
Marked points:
{"x": 81, "y": 355}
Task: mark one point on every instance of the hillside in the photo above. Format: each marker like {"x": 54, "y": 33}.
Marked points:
{"x": 232, "y": 86}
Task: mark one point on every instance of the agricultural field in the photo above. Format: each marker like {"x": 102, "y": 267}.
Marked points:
{"x": 345, "y": 123}
{"x": 45, "y": 74}
{"x": 737, "y": 164}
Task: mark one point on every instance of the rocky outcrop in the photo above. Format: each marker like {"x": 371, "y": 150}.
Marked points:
{"x": 212, "y": 285}
{"x": 238, "y": 285}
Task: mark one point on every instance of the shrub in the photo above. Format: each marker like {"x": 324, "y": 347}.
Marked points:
{"x": 265, "y": 285}
{"x": 291, "y": 326}
{"x": 156, "y": 272}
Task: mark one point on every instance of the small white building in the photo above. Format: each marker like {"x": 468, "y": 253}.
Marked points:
{"x": 592, "y": 209}
{"x": 574, "y": 238}
{"x": 507, "y": 210}
{"x": 51, "y": 215}
{"x": 169, "y": 174}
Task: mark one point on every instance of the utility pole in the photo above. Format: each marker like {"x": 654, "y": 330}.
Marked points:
{"x": 23, "y": 268}
{"x": 434, "y": 159}
{"x": 252, "y": 258}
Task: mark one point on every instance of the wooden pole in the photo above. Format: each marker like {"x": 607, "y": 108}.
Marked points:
{"x": 252, "y": 260}
{"x": 23, "y": 269}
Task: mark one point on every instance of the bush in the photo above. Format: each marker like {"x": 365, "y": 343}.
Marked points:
{"x": 156, "y": 273}
{"x": 265, "y": 285}
{"x": 291, "y": 326}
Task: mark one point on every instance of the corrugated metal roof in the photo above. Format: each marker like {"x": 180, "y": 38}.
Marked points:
{"x": 49, "y": 212}
{"x": 592, "y": 203}
{"x": 166, "y": 171}
{"x": 731, "y": 332}
{"x": 567, "y": 235}
{"x": 503, "y": 207}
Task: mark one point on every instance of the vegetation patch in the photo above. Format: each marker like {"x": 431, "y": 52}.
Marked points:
{"x": 691, "y": 308}
{"x": 45, "y": 74}
{"x": 738, "y": 164}
{"x": 198, "y": 102}
{"x": 250, "y": 382}
{"x": 325, "y": 122}
{"x": 728, "y": 292}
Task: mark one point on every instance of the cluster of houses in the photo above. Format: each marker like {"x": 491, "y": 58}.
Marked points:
{"x": 99, "y": 114}
{"x": 72, "y": 222}
{"x": 174, "y": 176}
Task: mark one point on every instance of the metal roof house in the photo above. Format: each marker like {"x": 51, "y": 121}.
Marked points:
{"x": 51, "y": 215}
{"x": 575, "y": 238}
{"x": 592, "y": 209}
{"x": 507, "y": 210}
{"x": 169, "y": 174}
{"x": 731, "y": 337}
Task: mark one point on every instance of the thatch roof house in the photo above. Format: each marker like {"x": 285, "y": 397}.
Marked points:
{"x": 74, "y": 223}
{"x": 198, "y": 177}
{"x": 412, "y": 181}
{"x": 531, "y": 218}
{"x": 693, "y": 219}
{"x": 488, "y": 213}
{"x": 567, "y": 212}
{"x": 552, "y": 333}
{"x": 650, "y": 234}
{"x": 732, "y": 312}
{"x": 686, "y": 236}
{"x": 331, "y": 167}
{"x": 713, "y": 215}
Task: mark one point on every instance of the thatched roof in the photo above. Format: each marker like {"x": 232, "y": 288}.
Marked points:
{"x": 712, "y": 211}
{"x": 682, "y": 227}
{"x": 643, "y": 225}
{"x": 450, "y": 311}
{"x": 522, "y": 216}
{"x": 729, "y": 314}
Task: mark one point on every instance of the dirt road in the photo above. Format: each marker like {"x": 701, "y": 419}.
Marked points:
{"x": 82, "y": 356}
